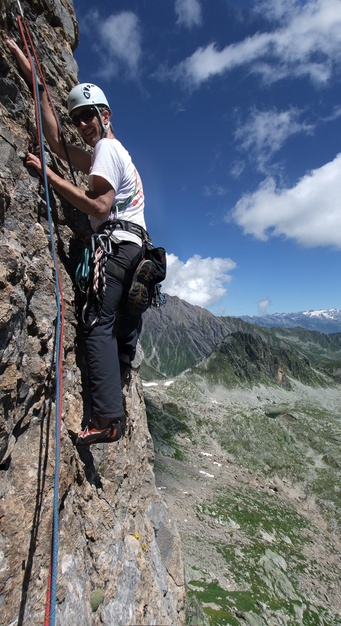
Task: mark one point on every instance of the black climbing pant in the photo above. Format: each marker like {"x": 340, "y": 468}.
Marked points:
{"x": 116, "y": 332}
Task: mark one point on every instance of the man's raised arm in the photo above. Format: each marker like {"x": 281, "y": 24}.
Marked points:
{"x": 79, "y": 158}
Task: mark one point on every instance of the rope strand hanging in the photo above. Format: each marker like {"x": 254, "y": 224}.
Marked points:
{"x": 51, "y": 595}
{"x": 27, "y": 39}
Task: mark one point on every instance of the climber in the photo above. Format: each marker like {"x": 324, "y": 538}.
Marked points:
{"x": 115, "y": 188}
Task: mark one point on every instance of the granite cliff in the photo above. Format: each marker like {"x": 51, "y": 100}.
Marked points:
{"x": 119, "y": 559}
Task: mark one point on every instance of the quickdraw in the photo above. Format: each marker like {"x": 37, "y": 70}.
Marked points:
{"x": 90, "y": 273}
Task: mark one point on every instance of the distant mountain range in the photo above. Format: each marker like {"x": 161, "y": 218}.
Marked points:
{"x": 180, "y": 336}
{"x": 324, "y": 320}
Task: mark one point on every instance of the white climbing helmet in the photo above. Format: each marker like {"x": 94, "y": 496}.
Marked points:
{"x": 84, "y": 95}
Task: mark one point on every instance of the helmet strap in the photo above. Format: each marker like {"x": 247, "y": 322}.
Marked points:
{"x": 105, "y": 127}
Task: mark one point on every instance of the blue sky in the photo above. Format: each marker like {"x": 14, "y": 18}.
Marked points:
{"x": 231, "y": 111}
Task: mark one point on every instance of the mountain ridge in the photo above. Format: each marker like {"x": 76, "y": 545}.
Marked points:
{"x": 323, "y": 320}
{"x": 179, "y": 336}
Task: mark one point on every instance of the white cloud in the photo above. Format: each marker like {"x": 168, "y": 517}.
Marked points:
{"x": 117, "y": 40}
{"x": 122, "y": 37}
{"x": 263, "y": 306}
{"x": 214, "y": 190}
{"x": 309, "y": 213}
{"x": 279, "y": 10}
{"x": 335, "y": 114}
{"x": 198, "y": 281}
{"x": 237, "y": 169}
{"x": 307, "y": 45}
{"x": 188, "y": 12}
{"x": 265, "y": 132}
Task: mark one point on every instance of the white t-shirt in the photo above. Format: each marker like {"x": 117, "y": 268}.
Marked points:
{"x": 112, "y": 161}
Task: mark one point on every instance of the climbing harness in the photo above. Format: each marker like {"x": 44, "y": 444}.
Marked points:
{"x": 51, "y": 595}
{"x": 91, "y": 270}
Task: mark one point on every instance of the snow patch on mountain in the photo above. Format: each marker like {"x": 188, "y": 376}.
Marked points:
{"x": 322, "y": 320}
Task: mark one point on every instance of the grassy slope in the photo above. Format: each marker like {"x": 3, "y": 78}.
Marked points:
{"x": 269, "y": 518}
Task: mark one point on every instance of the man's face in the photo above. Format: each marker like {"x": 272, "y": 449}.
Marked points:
{"x": 88, "y": 125}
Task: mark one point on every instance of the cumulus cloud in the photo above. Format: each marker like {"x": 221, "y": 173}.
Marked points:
{"x": 118, "y": 37}
{"x": 263, "y": 306}
{"x": 309, "y": 213}
{"x": 265, "y": 132}
{"x": 198, "y": 281}
{"x": 188, "y": 12}
{"x": 307, "y": 45}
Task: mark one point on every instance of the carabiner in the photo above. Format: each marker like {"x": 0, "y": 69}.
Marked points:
{"x": 105, "y": 243}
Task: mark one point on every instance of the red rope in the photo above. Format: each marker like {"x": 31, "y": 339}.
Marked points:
{"x": 48, "y": 598}
{"x": 26, "y": 35}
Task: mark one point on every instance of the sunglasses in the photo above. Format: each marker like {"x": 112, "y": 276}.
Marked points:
{"x": 84, "y": 116}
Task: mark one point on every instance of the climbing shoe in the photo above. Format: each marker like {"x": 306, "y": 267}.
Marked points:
{"x": 142, "y": 286}
{"x": 94, "y": 434}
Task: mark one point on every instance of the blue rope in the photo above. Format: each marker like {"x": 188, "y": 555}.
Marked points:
{"x": 55, "y": 537}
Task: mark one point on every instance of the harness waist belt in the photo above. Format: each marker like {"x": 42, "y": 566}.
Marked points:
{"x": 129, "y": 227}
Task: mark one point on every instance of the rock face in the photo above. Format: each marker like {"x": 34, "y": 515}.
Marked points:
{"x": 119, "y": 557}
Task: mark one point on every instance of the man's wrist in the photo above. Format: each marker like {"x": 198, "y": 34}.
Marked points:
{"x": 40, "y": 87}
